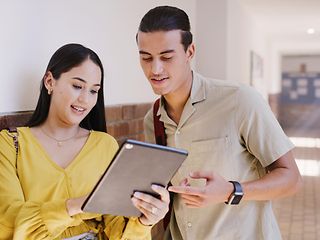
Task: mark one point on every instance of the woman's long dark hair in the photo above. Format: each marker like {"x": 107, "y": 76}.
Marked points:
{"x": 63, "y": 60}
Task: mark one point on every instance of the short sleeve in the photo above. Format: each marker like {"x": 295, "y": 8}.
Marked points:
{"x": 259, "y": 130}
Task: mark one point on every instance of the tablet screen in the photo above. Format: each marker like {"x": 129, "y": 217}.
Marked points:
{"x": 135, "y": 167}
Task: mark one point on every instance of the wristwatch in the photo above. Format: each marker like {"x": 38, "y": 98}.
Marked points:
{"x": 236, "y": 195}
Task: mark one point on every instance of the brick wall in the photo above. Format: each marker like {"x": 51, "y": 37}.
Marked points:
{"x": 14, "y": 119}
{"x": 126, "y": 121}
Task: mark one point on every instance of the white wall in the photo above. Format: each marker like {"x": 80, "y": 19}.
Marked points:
{"x": 244, "y": 37}
{"x": 226, "y": 33}
{"x": 32, "y": 30}
{"x": 238, "y": 39}
{"x": 211, "y": 38}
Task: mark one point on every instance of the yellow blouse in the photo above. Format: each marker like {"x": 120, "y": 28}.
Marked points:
{"x": 34, "y": 189}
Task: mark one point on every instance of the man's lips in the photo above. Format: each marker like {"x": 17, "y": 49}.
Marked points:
{"x": 159, "y": 79}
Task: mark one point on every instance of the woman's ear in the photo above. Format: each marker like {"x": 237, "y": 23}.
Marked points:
{"x": 48, "y": 81}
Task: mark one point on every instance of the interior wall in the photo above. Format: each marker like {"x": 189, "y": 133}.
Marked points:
{"x": 224, "y": 34}
{"x": 292, "y": 63}
{"x": 32, "y": 30}
{"x": 244, "y": 37}
{"x": 211, "y": 38}
{"x": 238, "y": 40}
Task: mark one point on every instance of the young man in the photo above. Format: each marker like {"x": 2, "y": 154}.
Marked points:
{"x": 238, "y": 153}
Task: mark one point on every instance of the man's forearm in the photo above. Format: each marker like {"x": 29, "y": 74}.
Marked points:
{"x": 283, "y": 179}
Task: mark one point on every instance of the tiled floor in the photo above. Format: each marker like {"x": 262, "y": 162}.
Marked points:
{"x": 299, "y": 216}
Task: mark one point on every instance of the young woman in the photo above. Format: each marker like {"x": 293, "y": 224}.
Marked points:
{"x": 61, "y": 155}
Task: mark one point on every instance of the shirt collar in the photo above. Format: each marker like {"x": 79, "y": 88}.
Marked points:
{"x": 198, "y": 92}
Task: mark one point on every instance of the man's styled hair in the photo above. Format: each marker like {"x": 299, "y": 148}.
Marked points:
{"x": 167, "y": 18}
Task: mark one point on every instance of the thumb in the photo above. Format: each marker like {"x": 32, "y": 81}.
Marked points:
{"x": 201, "y": 174}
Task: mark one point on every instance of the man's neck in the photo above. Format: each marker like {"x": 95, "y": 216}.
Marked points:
{"x": 176, "y": 101}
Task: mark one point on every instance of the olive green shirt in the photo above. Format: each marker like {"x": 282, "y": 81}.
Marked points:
{"x": 228, "y": 128}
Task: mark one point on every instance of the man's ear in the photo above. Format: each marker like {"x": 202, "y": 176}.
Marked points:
{"x": 49, "y": 81}
{"x": 190, "y": 51}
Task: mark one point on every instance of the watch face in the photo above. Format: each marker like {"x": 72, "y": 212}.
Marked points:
{"x": 236, "y": 196}
{"x": 236, "y": 199}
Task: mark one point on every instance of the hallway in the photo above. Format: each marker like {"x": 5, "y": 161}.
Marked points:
{"x": 299, "y": 216}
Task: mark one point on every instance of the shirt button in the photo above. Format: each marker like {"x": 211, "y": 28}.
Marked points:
{"x": 189, "y": 224}
{"x": 178, "y": 132}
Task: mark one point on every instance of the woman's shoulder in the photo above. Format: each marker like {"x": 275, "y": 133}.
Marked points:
{"x": 104, "y": 137}
{"x": 5, "y": 136}
{"x": 7, "y": 141}
{"x": 8, "y": 134}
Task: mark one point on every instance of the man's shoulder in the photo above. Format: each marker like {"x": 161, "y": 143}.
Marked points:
{"x": 221, "y": 88}
{"x": 218, "y": 83}
{"x": 149, "y": 114}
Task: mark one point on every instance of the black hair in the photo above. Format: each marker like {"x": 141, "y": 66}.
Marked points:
{"x": 167, "y": 18}
{"x": 64, "y": 59}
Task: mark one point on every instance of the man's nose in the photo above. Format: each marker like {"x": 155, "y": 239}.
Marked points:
{"x": 157, "y": 67}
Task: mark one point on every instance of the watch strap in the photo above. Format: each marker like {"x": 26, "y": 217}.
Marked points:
{"x": 236, "y": 195}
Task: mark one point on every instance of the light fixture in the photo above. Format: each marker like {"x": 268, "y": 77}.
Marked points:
{"x": 311, "y": 31}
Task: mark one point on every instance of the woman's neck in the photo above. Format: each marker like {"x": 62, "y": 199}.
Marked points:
{"x": 59, "y": 131}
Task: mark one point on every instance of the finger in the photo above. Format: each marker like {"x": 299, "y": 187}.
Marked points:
{"x": 145, "y": 208}
{"x": 192, "y": 201}
{"x": 201, "y": 174}
{"x": 149, "y": 199}
{"x": 192, "y": 198}
{"x": 187, "y": 190}
{"x": 163, "y": 192}
{"x": 184, "y": 182}
{"x": 192, "y": 206}
{"x": 145, "y": 197}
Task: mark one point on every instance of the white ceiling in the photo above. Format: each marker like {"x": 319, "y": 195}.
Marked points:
{"x": 286, "y": 17}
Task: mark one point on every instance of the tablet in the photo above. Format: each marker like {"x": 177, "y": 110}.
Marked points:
{"x": 135, "y": 167}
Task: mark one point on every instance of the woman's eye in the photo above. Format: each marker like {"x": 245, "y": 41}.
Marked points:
{"x": 77, "y": 86}
{"x": 94, "y": 91}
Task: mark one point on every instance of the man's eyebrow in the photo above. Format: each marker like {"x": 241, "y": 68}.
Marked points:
{"x": 163, "y": 52}
{"x": 144, "y": 52}
{"x": 82, "y": 80}
{"x": 167, "y": 51}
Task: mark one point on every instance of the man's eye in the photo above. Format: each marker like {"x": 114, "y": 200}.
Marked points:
{"x": 77, "y": 86}
{"x": 147, "y": 59}
{"x": 166, "y": 58}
